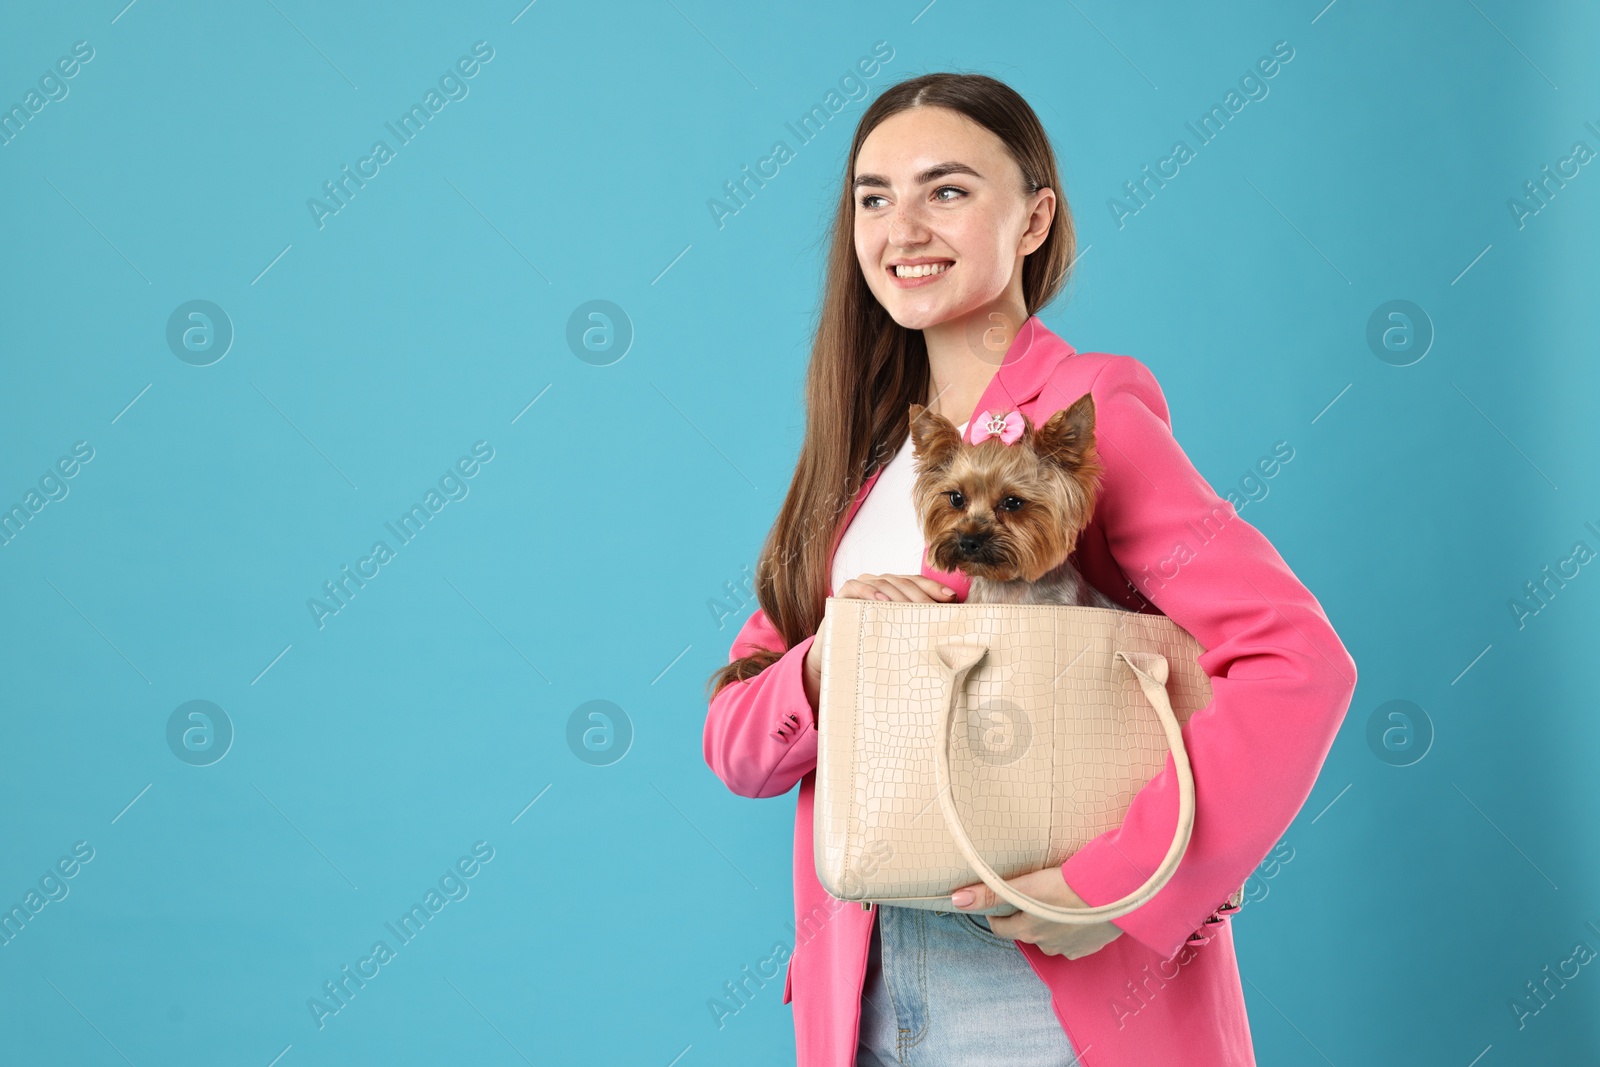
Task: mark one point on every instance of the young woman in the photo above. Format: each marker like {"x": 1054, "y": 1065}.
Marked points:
{"x": 951, "y": 233}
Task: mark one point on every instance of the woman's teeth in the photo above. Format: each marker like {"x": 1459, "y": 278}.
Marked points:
{"x": 921, "y": 270}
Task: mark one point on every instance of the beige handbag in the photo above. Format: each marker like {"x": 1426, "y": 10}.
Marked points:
{"x": 960, "y": 743}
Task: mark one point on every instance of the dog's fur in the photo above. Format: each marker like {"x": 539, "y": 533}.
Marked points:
{"x": 1008, "y": 516}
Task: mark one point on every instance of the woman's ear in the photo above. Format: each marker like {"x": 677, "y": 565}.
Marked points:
{"x": 1040, "y": 220}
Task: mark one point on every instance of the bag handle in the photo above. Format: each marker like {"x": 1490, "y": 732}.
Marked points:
{"x": 956, "y": 659}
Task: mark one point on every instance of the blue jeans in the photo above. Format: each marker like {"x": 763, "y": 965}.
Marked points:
{"x": 944, "y": 990}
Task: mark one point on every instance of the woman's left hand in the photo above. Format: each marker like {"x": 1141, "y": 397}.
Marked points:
{"x": 1072, "y": 940}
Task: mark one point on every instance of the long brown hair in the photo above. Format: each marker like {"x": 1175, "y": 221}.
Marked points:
{"x": 866, "y": 369}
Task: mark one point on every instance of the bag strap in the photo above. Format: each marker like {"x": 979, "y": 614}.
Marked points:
{"x": 956, "y": 659}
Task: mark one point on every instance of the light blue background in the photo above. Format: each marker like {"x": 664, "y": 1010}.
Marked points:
{"x": 590, "y": 558}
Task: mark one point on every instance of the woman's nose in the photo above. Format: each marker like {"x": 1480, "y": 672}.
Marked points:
{"x": 906, "y": 227}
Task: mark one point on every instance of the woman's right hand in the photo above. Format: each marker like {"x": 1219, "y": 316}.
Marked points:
{"x": 910, "y": 588}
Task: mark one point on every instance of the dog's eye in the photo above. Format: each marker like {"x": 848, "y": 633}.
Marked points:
{"x": 956, "y": 499}
{"x": 1010, "y": 503}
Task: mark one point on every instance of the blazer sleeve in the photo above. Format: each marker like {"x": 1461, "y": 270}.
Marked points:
{"x": 760, "y": 735}
{"x": 1281, "y": 679}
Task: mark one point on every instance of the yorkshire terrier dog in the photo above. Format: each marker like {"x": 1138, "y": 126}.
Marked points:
{"x": 1007, "y": 507}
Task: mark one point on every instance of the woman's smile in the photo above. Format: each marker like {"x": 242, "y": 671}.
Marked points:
{"x": 914, "y": 276}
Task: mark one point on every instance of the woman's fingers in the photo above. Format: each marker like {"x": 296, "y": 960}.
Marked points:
{"x": 900, "y": 587}
{"x": 973, "y": 896}
{"x": 1073, "y": 940}
{"x": 931, "y": 589}
{"x": 856, "y": 589}
{"x": 866, "y": 587}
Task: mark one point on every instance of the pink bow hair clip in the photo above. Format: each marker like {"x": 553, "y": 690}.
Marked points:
{"x": 1007, "y": 427}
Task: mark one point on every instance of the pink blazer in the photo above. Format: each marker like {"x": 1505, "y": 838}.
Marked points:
{"x": 1161, "y": 541}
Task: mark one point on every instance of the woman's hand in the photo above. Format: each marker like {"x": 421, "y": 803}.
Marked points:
{"x": 902, "y": 587}
{"x": 1072, "y": 940}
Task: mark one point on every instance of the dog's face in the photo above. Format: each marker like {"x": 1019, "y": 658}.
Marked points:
{"x": 1005, "y": 512}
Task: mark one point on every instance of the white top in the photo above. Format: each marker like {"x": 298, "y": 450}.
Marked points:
{"x": 884, "y": 537}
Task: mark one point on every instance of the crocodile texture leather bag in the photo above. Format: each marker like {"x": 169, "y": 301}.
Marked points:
{"x": 968, "y": 742}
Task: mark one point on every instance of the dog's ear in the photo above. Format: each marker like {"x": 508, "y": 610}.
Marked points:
{"x": 1067, "y": 437}
{"x": 934, "y": 438}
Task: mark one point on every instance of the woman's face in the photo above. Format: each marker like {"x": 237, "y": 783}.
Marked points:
{"x": 933, "y": 187}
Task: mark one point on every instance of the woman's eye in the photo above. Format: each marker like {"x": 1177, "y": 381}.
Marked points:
{"x": 867, "y": 201}
{"x": 956, "y": 499}
{"x": 1010, "y": 503}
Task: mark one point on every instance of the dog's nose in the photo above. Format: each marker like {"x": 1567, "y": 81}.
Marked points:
{"x": 970, "y": 542}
